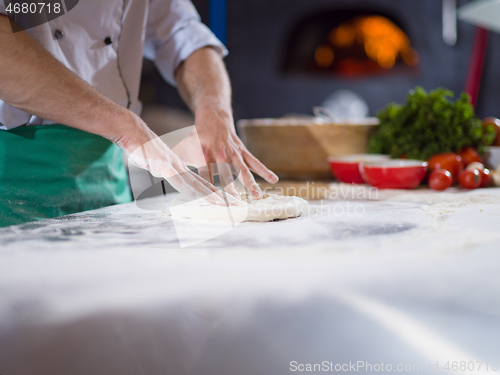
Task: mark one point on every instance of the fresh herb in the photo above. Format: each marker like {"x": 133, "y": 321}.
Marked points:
{"x": 429, "y": 124}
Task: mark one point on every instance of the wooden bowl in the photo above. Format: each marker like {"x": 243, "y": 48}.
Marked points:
{"x": 298, "y": 148}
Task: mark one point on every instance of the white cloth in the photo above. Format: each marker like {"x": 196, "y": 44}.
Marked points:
{"x": 166, "y": 31}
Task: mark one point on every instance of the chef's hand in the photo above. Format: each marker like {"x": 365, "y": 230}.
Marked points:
{"x": 220, "y": 144}
{"x": 204, "y": 85}
{"x": 145, "y": 150}
{"x": 222, "y": 152}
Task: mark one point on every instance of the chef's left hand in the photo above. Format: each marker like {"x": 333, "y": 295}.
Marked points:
{"x": 204, "y": 85}
{"x": 221, "y": 144}
{"x": 222, "y": 148}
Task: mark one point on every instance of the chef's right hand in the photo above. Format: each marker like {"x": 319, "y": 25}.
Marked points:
{"x": 146, "y": 150}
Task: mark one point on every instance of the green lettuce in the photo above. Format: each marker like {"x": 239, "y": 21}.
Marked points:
{"x": 429, "y": 124}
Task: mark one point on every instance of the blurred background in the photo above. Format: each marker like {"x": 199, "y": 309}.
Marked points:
{"x": 286, "y": 56}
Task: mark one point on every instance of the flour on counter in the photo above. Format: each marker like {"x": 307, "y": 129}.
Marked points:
{"x": 476, "y": 202}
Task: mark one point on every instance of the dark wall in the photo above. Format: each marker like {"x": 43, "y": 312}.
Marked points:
{"x": 258, "y": 29}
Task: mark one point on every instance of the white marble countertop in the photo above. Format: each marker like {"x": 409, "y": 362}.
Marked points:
{"x": 413, "y": 279}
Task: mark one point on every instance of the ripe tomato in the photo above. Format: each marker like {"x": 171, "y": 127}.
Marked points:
{"x": 484, "y": 172}
{"x": 470, "y": 179}
{"x": 449, "y": 161}
{"x": 440, "y": 179}
{"x": 485, "y": 177}
{"x": 469, "y": 155}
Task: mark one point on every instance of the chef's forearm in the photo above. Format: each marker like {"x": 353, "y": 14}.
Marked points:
{"x": 35, "y": 82}
{"x": 203, "y": 83}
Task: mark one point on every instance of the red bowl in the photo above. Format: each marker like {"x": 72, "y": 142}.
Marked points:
{"x": 346, "y": 168}
{"x": 394, "y": 174}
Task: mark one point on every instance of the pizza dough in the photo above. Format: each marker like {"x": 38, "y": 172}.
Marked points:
{"x": 269, "y": 208}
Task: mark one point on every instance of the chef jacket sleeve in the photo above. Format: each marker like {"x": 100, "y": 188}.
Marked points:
{"x": 173, "y": 32}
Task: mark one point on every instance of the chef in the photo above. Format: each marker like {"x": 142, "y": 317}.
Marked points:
{"x": 69, "y": 106}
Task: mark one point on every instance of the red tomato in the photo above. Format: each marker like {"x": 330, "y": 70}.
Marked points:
{"x": 484, "y": 172}
{"x": 440, "y": 179}
{"x": 469, "y": 155}
{"x": 449, "y": 161}
{"x": 485, "y": 177}
{"x": 470, "y": 179}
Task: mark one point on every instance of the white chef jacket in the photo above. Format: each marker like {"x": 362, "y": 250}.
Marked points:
{"x": 165, "y": 31}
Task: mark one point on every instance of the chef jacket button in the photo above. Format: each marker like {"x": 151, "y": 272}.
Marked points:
{"x": 58, "y": 34}
{"x": 108, "y": 40}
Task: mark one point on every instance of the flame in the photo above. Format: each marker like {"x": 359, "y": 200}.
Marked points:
{"x": 343, "y": 36}
{"x": 382, "y": 40}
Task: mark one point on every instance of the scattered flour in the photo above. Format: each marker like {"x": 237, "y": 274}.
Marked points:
{"x": 460, "y": 203}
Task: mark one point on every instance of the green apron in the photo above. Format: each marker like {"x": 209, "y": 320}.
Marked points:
{"x": 53, "y": 170}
